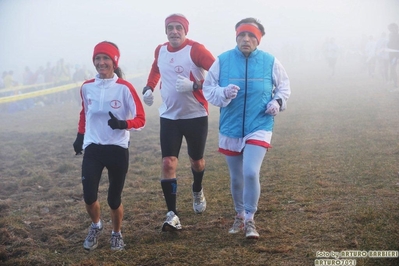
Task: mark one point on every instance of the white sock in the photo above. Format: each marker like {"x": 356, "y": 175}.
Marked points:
{"x": 241, "y": 214}
{"x": 249, "y": 216}
{"x": 97, "y": 225}
{"x": 117, "y": 233}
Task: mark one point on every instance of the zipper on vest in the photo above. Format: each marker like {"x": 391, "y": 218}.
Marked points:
{"x": 245, "y": 96}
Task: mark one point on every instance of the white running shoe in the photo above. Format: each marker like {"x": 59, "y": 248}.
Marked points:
{"x": 117, "y": 242}
{"x": 199, "y": 201}
{"x": 238, "y": 225}
{"x": 172, "y": 222}
{"x": 250, "y": 230}
{"x": 91, "y": 241}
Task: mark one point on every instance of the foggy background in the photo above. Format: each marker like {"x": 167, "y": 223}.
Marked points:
{"x": 34, "y": 33}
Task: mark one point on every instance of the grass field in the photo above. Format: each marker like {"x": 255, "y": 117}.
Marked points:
{"x": 328, "y": 184}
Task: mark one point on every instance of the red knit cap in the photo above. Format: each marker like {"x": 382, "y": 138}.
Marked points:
{"x": 179, "y": 18}
{"x": 109, "y": 49}
{"x": 249, "y": 28}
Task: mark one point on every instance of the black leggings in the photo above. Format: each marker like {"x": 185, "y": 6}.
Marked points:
{"x": 95, "y": 158}
{"x": 194, "y": 130}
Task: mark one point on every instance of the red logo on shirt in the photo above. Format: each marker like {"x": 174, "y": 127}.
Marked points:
{"x": 115, "y": 104}
{"x": 179, "y": 69}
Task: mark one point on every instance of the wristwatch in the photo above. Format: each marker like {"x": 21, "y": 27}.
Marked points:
{"x": 279, "y": 101}
{"x": 196, "y": 86}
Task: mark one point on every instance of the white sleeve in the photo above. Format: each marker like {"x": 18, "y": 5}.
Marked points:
{"x": 281, "y": 82}
{"x": 212, "y": 91}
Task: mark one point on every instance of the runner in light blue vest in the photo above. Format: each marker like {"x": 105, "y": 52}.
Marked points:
{"x": 251, "y": 87}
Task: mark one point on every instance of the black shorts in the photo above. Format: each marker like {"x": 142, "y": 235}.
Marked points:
{"x": 194, "y": 130}
{"x": 95, "y": 158}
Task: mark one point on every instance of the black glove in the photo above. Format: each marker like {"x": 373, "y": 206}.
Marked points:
{"x": 78, "y": 144}
{"x": 114, "y": 123}
{"x": 146, "y": 88}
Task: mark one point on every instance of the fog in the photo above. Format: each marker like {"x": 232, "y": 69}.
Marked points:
{"x": 36, "y": 32}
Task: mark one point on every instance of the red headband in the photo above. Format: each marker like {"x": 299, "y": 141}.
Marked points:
{"x": 108, "y": 49}
{"x": 249, "y": 28}
{"x": 179, "y": 19}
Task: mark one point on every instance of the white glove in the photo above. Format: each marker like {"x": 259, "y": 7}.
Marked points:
{"x": 184, "y": 84}
{"x": 230, "y": 92}
{"x": 148, "y": 98}
{"x": 272, "y": 108}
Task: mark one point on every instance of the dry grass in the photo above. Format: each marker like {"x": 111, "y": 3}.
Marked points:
{"x": 329, "y": 184}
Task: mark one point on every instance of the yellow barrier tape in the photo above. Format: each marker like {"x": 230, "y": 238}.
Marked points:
{"x": 20, "y": 88}
{"x": 42, "y": 92}
{"x": 18, "y": 97}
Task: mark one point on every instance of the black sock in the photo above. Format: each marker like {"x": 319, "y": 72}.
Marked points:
{"x": 197, "y": 184}
{"x": 169, "y": 188}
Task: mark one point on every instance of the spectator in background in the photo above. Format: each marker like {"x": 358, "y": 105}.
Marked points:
{"x": 382, "y": 57}
{"x": 80, "y": 74}
{"x": 9, "y": 80}
{"x": 49, "y": 73}
{"x": 28, "y": 77}
{"x": 251, "y": 87}
{"x": 40, "y": 76}
{"x": 370, "y": 53}
{"x": 110, "y": 109}
{"x": 62, "y": 73}
{"x": 332, "y": 52}
{"x": 2, "y": 86}
{"x": 40, "y": 85}
{"x": 63, "y": 77}
{"x": 393, "y": 48}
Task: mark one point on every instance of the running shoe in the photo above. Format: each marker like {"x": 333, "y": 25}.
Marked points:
{"x": 172, "y": 222}
{"x": 91, "y": 241}
{"x": 250, "y": 230}
{"x": 199, "y": 201}
{"x": 238, "y": 225}
{"x": 117, "y": 242}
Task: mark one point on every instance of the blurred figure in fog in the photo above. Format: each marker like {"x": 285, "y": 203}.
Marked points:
{"x": 251, "y": 87}
{"x": 62, "y": 73}
{"x": 40, "y": 85}
{"x": 180, "y": 65}
{"x": 332, "y": 52}
{"x": 28, "y": 77}
{"x": 49, "y": 73}
{"x": 370, "y": 53}
{"x": 110, "y": 109}
{"x": 393, "y": 48}
{"x": 63, "y": 77}
{"x": 2, "y": 86}
{"x": 80, "y": 74}
{"x": 40, "y": 75}
{"x": 382, "y": 56}
{"x": 9, "y": 80}
{"x": 324, "y": 48}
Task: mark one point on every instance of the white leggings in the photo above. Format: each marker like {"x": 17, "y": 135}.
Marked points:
{"x": 244, "y": 178}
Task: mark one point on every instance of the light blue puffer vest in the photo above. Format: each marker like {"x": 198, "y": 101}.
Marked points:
{"x": 246, "y": 113}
